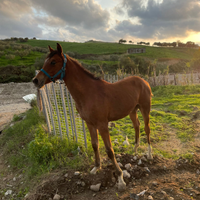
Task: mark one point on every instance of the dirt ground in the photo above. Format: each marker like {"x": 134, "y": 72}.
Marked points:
{"x": 11, "y": 101}
{"x": 161, "y": 178}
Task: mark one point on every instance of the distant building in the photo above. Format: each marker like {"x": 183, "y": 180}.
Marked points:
{"x": 136, "y": 50}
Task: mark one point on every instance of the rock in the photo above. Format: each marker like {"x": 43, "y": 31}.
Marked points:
{"x": 116, "y": 141}
{"x": 120, "y": 164}
{"x": 77, "y": 173}
{"x": 118, "y": 156}
{"x": 150, "y": 197}
{"x": 66, "y": 175}
{"x": 94, "y": 195}
{"x": 139, "y": 162}
{"x": 163, "y": 192}
{"x": 135, "y": 157}
{"x": 96, "y": 187}
{"x": 198, "y": 172}
{"x": 154, "y": 183}
{"x": 56, "y": 197}
{"x": 128, "y": 166}
{"x": 126, "y": 174}
{"x": 8, "y": 192}
{"x": 147, "y": 169}
{"x": 126, "y": 142}
{"x": 118, "y": 159}
{"x": 14, "y": 179}
{"x": 164, "y": 167}
{"x": 144, "y": 159}
{"x": 82, "y": 184}
{"x": 171, "y": 198}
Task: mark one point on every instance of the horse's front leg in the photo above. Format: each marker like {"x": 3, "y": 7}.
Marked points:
{"x": 103, "y": 129}
{"x": 95, "y": 145}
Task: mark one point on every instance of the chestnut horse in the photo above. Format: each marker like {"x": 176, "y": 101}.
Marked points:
{"x": 99, "y": 102}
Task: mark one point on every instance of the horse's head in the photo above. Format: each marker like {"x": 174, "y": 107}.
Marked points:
{"x": 53, "y": 68}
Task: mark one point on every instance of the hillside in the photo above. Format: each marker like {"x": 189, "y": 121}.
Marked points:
{"x": 115, "y": 48}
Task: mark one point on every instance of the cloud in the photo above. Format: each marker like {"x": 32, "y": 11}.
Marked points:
{"x": 169, "y": 18}
{"x": 83, "y": 13}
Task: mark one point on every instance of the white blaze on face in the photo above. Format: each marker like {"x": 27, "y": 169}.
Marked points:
{"x": 46, "y": 60}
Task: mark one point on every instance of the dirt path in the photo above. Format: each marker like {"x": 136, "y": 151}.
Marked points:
{"x": 11, "y": 101}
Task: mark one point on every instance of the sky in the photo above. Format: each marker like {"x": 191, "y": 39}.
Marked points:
{"x": 102, "y": 20}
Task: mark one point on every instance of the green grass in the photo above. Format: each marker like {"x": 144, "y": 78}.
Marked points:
{"x": 112, "y": 48}
{"x": 29, "y": 149}
{"x": 17, "y": 61}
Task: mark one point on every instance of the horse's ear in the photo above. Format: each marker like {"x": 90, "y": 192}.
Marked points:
{"x": 50, "y": 49}
{"x": 59, "y": 48}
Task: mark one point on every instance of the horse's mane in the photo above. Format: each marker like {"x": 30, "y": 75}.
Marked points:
{"x": 88, "y": 73}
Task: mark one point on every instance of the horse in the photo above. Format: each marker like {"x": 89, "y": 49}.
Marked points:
{"x": 99, "y": 102}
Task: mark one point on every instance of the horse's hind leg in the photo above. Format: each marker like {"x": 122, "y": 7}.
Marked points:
{"x": 145, "y": 113}
{"x": 95, "y": 146}
{"x": 136, "y": 125}
{"x": 109, "y": 150}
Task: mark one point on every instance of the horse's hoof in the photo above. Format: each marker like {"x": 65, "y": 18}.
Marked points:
{"x": 94, "y": 170}
{"x": 121, "y": 186}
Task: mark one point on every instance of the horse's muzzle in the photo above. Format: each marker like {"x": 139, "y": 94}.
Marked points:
{"x": 35, "y": 81}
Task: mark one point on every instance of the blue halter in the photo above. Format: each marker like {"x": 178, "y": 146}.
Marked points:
{"x": 62, "y": 71}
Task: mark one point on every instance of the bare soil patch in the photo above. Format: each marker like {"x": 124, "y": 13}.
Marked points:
{"x": 166, "y": 178}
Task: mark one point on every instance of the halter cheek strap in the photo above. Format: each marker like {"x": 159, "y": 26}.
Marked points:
{"x": 62, "y": 71}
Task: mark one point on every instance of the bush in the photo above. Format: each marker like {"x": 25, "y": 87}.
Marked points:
{"x": 40, "y": 49}
{"x": 39, "y": 62}
{"x": 16, "y": 47}
{"x": 22, "y": 53}
{"x": 10, "y": 57}
{"x": 71, "y": 54}
{"x": 114, "y": 57}
{"x": 127, "y": 64}
{"x": 1, "y": 53}
{"x": 2, "y": 47}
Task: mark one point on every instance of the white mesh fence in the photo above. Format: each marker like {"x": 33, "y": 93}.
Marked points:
{"x": 61, "y": 115}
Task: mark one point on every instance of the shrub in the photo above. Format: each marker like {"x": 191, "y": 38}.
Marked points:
{"x": 114, "y": 57}
{"x": 10, "y": 57}
{"x": 71, "y": 54}
{"x": 2, "y": 47}
{"x": 16, "y": 47}
{"x": 1, "y": 53}
{"x": 39, "y": 62}
{"x": 22, "y": 53}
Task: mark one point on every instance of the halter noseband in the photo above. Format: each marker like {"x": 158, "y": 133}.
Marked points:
{"x": 62, "y": 71}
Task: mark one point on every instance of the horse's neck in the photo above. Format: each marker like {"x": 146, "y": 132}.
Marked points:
{"x": 77, "y": 81}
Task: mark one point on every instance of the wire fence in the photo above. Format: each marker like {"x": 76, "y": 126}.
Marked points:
{"x": 62, "y": 117}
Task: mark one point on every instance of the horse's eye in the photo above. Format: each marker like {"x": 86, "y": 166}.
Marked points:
{"x": 53, "y": 63}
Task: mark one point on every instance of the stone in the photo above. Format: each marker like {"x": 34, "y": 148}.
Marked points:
{"x": 144, "y": 159}
{"x": 120, "y": 164}
{"x": 135, "y": 157}
{"x": 82, "y": 184}
{"x": 147, "y": 169}
{"x": 77, "y": 173}
{"x": 128, "y": 166}
{"x": 126, "y": 174}
{"x": 66, "y": 175}
{"x": 150, "y": 197}
{"x": 163, "y": 192}
{"x": 139, "y": 162}
{"x": 154, "y": 183}
{"x": 171, "y": 198}
{"x": 56, "y": 197}
{"x": 14, "y": 179}
{"x": 96, "y": 187}
{"x": 126, "y": 142}
{"x": 8, "y": 192}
